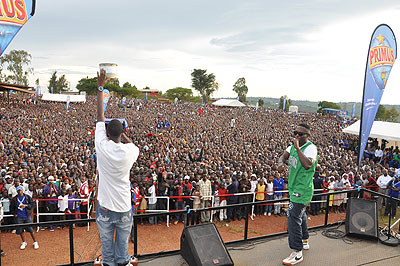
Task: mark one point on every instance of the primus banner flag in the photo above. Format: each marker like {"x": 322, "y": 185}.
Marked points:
{"x": 381, "y": 56}
{"x": 13, "y": 15}
{"x": 68, "y": 102}
{"x": 106, "y": 98}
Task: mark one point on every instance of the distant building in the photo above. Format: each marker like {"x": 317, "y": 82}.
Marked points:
{"x": 293, "y": 109}
{"x": 111, "y": 70}
{"x": 150, "y": 92}
{"x": 330, "y": 111}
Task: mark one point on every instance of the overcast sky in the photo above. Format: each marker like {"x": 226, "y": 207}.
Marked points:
{"x": 309, "y": 50}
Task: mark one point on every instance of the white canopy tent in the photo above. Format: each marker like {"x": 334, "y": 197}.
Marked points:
{"x": 380, "y": 130}
{"x": 63, "y": 98}
{"x": 229, "y": 103}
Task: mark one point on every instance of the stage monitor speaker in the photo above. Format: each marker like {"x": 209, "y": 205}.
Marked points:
{"x": 362, "y": 217}
{"x": 202, "y": 245}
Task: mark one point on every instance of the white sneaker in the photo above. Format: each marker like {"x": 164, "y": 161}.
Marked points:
{"x": 35, "y": 245}
{"x": 23, "y": 245}
{"x": 269, "y": 214}
{"x": 294, "y": 258}
{"x": 265, "y": 214}
{"x": 306, "y": 245}
{"x": 133, "y": 261}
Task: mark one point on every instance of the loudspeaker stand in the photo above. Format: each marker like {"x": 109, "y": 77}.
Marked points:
{"x": 389, "y": 240}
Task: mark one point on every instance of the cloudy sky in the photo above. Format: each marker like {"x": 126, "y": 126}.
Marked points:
{"x": 307, "y": 49}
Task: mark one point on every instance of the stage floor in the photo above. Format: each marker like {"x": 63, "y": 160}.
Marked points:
{"x": 323, "y": 251}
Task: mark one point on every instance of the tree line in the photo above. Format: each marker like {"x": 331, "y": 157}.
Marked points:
{"x": 17, "y": 63}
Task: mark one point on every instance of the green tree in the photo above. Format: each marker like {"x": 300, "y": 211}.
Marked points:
{"x": 88, "y": 85}
{"x": 180, "y": 93}
{"x": 18, "y": 63}
{"x": 204, "y": 83}
{"x": 380, "y": 114}
{"x": 53, "y": 81}
{"x": 326, "y": 104}
{"x": 389, "y": 115}
{"x": 127, "y": 85}
{"x": 127, "y": 90}
{"x": 241, "y": 89}
{"x": 288, "y": 103}
{"x": 58, "y": 84}
{"x": 260, "y": 102}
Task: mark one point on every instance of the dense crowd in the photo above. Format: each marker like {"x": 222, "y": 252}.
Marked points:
{"x": 188, "y": 152}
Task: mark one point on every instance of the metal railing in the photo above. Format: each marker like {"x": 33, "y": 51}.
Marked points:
{"x": 189, "y": 220}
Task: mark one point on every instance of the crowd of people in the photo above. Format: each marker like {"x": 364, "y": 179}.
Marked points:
{"x": 188, "y": 152}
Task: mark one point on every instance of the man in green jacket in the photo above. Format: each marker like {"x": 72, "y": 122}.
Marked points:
{"x": 301, "y": 158}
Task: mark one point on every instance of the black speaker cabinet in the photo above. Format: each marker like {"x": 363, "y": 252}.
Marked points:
{"x": 202, "y": 245}
{"x": 362, "y": 217}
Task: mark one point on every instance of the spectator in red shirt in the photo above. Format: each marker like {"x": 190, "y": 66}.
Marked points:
{"x": 222, "y": 201}
{"x": 180, "y": 190}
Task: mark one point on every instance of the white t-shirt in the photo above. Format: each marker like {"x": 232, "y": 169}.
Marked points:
{"x": 310, "y": 152}
{"x": 114, "y": 161}
{"x": 270, "y": 187}
{"x": 383, "y": 181}
{"x": 152, "y": 192}
{"x": 62, "y": 203}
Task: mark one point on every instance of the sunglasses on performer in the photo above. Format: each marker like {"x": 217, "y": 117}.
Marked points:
{"x": 299, "y": 133}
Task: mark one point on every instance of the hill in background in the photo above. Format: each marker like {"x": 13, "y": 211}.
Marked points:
{"x": 309, "y": 106}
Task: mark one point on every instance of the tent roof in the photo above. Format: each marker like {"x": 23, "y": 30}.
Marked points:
{"x": 380, "y": 130}
{"x": 8, "y": 87}
{"x": 229, "y": 102}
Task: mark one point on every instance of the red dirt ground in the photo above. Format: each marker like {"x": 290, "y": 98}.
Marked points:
{"x": 54, "y": 246}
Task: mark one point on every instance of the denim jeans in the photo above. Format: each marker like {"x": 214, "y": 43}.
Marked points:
{"x": 277, "y": 205}
{"x": 241, "y": 211}
{"x": 20, "y": 220}
{"x": 153, "y": 219}
{"x": 269, "y": 206}
{"x": 179, "y": 205}
{"x": 297, "y": 225}
{"x": 120, "y": 223}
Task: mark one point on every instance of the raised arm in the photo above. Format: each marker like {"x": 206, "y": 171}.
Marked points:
{"x": 305, "y": 162}
{"x": 282, "y": 161}
{"x": 101, "y": 81}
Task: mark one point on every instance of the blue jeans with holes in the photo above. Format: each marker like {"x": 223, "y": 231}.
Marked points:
{"x": 297, "y": 225}
{"x": 115, "y": 251}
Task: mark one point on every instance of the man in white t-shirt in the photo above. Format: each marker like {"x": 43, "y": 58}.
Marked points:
{"x": 382, "y": 182}
{"x": 114, "y": 161}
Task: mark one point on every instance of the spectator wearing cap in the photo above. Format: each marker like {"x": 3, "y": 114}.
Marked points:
{"x": 51, "y": 194}
{"x": 21, "y": 207}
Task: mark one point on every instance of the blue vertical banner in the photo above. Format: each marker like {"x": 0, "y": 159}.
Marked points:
{"x": 353, "y": 112}
{"x": 284, "y": 104}
{"x": 51, "y": 91}
{"x": 123, "y": 100}
{"x": 37, "y": 90}
{"x": 106, "y": 98}
{"x": 13, "y": 16}
{"x": 68, "y": 101}
{"x": 382, "y": 54}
